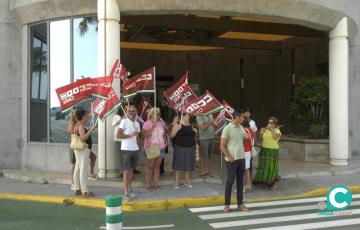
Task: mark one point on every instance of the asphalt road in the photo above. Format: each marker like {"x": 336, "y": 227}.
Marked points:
{"x": 288, "y": 214}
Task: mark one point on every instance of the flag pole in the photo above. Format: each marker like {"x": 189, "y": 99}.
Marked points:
{"x": 132, "y": 125}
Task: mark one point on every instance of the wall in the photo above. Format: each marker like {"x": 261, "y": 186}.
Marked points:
{"x": 10, "y": 89}
{"x": 267, "y": 75}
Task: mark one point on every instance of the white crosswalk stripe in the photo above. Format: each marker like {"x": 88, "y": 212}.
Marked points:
{"x": 280, "y": 215}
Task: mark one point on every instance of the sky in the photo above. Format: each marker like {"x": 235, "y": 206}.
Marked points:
{"x": 85, "y": 55}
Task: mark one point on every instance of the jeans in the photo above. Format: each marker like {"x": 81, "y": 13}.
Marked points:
{"x": 235, "y": 169}
{"x": 81, "y": 169}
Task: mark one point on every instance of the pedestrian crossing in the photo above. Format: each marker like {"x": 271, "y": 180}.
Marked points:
{"x": 285, "y": 214}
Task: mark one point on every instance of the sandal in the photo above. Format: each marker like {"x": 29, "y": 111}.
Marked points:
{"x": 156, "y": 186}
{"x": 147, "y": 187}
{"x": 88, "y": 194}
{"x": 77, "y": 192}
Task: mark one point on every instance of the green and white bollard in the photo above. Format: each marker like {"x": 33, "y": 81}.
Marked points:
{"x": 113, "y": 212}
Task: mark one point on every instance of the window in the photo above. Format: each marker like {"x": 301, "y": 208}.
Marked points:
{"x": 38, "y": 82}
{"x": 72, "y": 55}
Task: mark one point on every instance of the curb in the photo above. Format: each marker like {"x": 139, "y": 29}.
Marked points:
{"x": 166, "y": 204}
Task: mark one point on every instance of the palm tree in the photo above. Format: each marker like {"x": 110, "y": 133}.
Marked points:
{"x": 84, "y": 24}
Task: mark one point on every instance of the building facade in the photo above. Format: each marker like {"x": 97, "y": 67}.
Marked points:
{"x": 42, "y": 49}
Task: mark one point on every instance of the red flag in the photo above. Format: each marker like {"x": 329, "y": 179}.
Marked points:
{"x": 74, "y": 93}
{"x": 228, "y": 110}
{"x": 101, "y": 86}
{"x": 143, "y": 108}
{"x": 222, "y": 116}
{"x": 119, "y": 71}
{"x": 179, "y": 93}
{"x": 104, "y": 107}
{"x": 203, "y": 105}
{"x": 141, "y": 83}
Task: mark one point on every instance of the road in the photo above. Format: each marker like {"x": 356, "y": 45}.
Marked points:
{"x": 286, "y": 214}
{"x": 59, "y": 134}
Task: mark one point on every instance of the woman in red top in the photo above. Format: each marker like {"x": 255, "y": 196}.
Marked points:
{"x": 248, "y": 144}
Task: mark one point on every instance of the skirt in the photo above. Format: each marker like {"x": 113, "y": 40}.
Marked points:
{"x": 184, "y": 158}
{"x": 268, "y": 167}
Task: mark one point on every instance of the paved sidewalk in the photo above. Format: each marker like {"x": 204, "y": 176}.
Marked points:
{"x": 201, "y": 194}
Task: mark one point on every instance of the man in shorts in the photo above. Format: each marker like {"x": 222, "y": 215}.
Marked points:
{"x": 128, "y": 131}
{"x": 206, "y": 125}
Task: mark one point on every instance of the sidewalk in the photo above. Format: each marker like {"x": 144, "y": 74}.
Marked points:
{"x": 299, "y": 180}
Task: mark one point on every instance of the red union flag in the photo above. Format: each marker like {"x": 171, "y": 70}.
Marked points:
{"x": 101, "y": 86}
{"x": 222, "y": 116}
{"x": 179, "y": 93}
{"x": 141, "y": 83}
{"x": 74, "y": 93}
{"x": 229, "y": 111}
{"x": 143, "y": 108}
{"x": 119, "y": 71}
{"x": 203, "y": 105}
{"x": 104, "y": 107}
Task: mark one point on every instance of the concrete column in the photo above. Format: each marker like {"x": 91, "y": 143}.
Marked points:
{"x": 108, "y": 52}
{"x": 339, "y": 91}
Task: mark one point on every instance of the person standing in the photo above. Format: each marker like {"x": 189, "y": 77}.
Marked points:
{"x": 231, "y": 146}
{"x": 115, "y": 124}
{"x": 128, "y": 131}
{"x": 248, "y": 145}
{"x": 82, "y": 156}
{"x": 268, "y": 167}
{"x": 155, "y": 135}
{"x": 253, "y": 127}
{"x": 70, "y": 129}
{"x": 206, "y": 125}
{"x": 184, "y": 144}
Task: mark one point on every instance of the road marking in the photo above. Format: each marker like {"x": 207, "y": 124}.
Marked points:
{"x": 324, "y": 224}
{"x": 146, "y": 227}
{"x": 265, "y": 211}
{"x": 273, "y": 220}
{"x": 265, "y": 204}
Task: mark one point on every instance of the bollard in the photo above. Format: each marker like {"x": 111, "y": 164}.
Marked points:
{"x": 113, "y": 212}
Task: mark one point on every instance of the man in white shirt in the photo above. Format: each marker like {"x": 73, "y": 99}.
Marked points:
{"x": 128, "y": 131}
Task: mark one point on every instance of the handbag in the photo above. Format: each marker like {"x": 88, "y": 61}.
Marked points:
{"x": 76, "y": 142}
{"x": 152, "y": 152}
{"x": 254, "y": 153}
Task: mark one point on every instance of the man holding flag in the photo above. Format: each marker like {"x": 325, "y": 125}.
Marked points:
{"x": 128, "y": 131}
{"x": 206, "y": 125}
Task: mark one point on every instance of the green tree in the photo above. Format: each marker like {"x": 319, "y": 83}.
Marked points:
{"x": 311, "y": 105}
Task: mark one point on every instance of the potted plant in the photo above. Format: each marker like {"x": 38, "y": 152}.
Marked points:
{"x": 311, "y": 105}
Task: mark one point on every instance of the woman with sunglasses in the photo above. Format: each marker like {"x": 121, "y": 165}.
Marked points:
{"x": 268, "y": 166}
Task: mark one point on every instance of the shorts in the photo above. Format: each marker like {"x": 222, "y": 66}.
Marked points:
{"x": 207, "y": 148}
{"x": 72, "y": 156}
{"x": 247, "y": 160}
{"x": 129, "y": 159}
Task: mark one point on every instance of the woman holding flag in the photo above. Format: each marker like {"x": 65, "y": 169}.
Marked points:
{"x": 82, "y": 156}
{"x": 184, "y": 144}
{"x": 155, "y": 142}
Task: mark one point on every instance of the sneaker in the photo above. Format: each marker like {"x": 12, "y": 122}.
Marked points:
{"x": 176, "y": 187}
{"x": 188, "y": 185}
{"x": 127, "y": 197}
{"x": 92, "y": 177}
{"x": 132, "y": 194}
{"x": 72, "y": 188}
{"x": 243, "y": 208}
